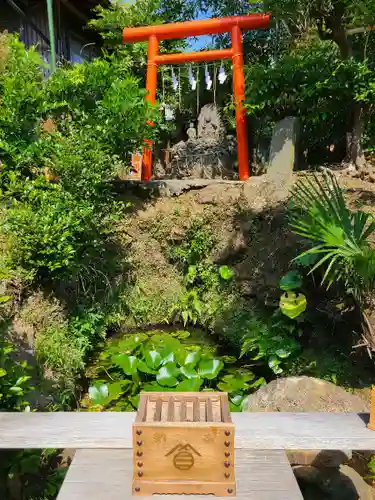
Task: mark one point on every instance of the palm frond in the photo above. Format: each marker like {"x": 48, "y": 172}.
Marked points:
{"x": 340, "y": 236}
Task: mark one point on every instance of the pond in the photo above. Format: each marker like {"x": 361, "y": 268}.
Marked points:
{"x": 164, "y": 360}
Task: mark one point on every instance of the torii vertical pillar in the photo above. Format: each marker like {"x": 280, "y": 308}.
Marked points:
{"x": 239, "y": 97}
{"x": 234, "y": 25}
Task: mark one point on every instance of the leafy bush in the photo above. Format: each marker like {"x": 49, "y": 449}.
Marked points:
{"x": 62, "y": 348}
{"x": 206, "y": 283}
{"x": 30, "y": 474}
{"x": 275, "y": 344}
{"x": 62, "y": 142}
{"x": 14, "y": 380}
{"x": 311, "y": 81}
{"x": 35, "y": 475}
{"x": 259, "y": 337}
{"x": 162, "y": 362}
{"x": 195, "y": 247}
{"x": 341, "y": 237}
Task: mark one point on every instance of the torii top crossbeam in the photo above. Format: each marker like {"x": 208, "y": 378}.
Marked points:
{"x": 233, "y": 25}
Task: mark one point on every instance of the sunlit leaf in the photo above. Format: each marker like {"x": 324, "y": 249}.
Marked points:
{"x": 190, "y": 385}
{"x": 210, "y": 368}
{"x": 167, "y": 375}
{"x": 153, "y": 359}
{"x": 126, "y": 362}
{"x": 144, "y": 368}
{"x": 226, "y": 272}
{"x": 98, "y": 394}
{"x": 189, "y": 372}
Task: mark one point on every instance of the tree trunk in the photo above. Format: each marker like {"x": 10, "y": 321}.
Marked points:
{"x": 367, "y": 311}
{"x": 354, "y": 153}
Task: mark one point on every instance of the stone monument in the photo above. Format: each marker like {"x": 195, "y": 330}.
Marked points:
{"x": 210, "y": 124}
{"x": 208, "y": 153}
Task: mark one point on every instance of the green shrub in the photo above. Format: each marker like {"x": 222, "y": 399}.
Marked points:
{"x": 259, "y": 337}
{"x": 62, "y": 348}
{"x": 206, "y": 283}
{"x": 56, "y": 179}
{"x": 310, "y": 80}
{"x": 195, "y": 248}
{"x": 30, "y": 474}
{"x": 341, "y": 237}
{"x": 14, "y": 380}
{"x": 162, "y": 362}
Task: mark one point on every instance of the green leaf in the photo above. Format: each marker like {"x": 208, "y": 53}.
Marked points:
{"x": 283, "y": 353}
{"x": 144, "y": 368}
{"x": 127, "y": 344}
{"x": 291, "y": 281}
{"x": 2, "y": 372}
{"x": 237, "y": 382}
{"x": 226, "y": 272}
{"x": 181, "y": 334}
{"x": 210, "y": 368}
{"x": 229, "y": 360}
{"x": 236, "y": 399}
{"x": 167, "y": 375}
{"x": 190, "y": 385}
{"x": 126, "y": 362}
{"x": 98, "y": 394}
{"x": 170, "y": 358}
{"x": 273, "y": 362}
{"x": 115, "y": 390}
{"x": 134, "y": 400}
{"x": 185, "y": 317}
{"x": 189, "y": 372}
{"x": 190, "y": 358}
{"x": 155, "y": 387}
{"x": 258, "y": 383}
{"x": 306, "y": 260}
{"x": 20, "y": 380}
{"x": 16, "y": 390}
{"x": 153, "y": 359}
{"x": 5, "y": 298}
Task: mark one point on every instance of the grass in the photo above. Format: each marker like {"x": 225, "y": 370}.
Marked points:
{"x": 62, "y": 354}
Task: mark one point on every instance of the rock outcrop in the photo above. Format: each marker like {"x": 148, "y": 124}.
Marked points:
{"x": 298, "y": 394}
{"x": 320, "y": 474}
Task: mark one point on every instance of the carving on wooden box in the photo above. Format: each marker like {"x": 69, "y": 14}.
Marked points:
{"x": 183, "y": 444}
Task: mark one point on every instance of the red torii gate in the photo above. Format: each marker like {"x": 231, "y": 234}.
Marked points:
{"x": 234, "y": 25}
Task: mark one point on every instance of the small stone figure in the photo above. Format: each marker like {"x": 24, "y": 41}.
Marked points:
{"x": 191, "y": 132}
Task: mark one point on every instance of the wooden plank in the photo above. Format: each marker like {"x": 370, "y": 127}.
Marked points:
{"x": 273, "y": 431}
{"x": 107, "y": 475}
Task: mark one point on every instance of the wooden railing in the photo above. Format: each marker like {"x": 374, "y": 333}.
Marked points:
{"x": 102, "y": 466}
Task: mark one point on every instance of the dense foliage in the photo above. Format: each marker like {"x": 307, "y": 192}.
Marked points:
{"x": 341, "y": 237}
{"x": 342, "y": 243}
{"x": 62, "y": 142}
{"x": 163, "y": 362}
{"x": 317, "y": 63}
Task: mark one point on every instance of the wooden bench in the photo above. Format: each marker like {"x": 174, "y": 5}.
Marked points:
{"x": 102, "y": 466}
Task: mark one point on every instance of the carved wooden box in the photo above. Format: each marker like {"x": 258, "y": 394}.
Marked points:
{"x": 183, "y": 443}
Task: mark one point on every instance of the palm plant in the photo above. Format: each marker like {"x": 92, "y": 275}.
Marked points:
{"x": 341, "y": 238}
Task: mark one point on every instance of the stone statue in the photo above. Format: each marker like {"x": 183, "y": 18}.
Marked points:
{"x": 206, "y": 155}
{"x": 210, "y": 124}
{"x": 191, "y": 132}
